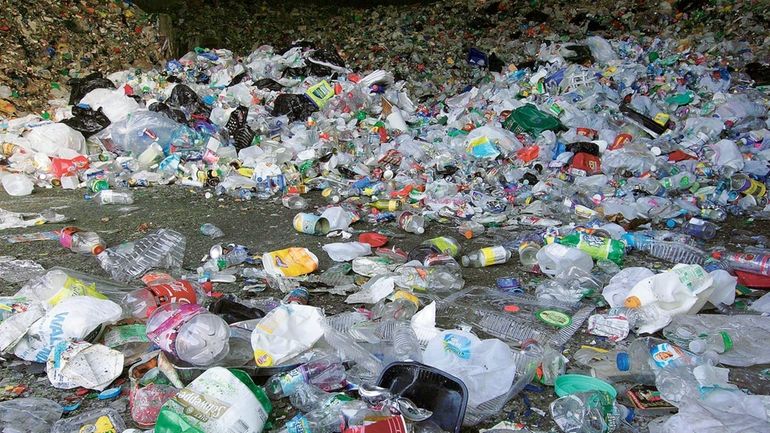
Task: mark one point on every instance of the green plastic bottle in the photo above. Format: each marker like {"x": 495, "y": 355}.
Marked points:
{"x": 531, "y": 120}
{"x": 595, "y": 246}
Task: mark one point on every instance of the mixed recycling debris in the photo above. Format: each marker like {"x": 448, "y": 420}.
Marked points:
{"x": 578, "y": 161}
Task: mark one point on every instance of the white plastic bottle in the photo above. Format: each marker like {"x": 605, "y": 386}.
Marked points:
{"x": 486, "y": 257}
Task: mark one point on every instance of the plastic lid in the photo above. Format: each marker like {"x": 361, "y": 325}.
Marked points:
{"x": 420, "y": 230}
{"x": 697, "y": 346}
{"x": 632, "y": 302}
{"x": 465, "y": 260}
{"x": 568, "y": 384}
{"x": 622, "y": 361}
{"x": 554, "y": 318}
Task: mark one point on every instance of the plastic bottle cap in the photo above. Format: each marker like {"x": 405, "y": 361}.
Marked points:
{"x": 632, "y": 302}
{"x": 656, "y": 150}
{"x": 420, "y": 230}
{"x": 622, "y": 361}
{"x": 697, "y": 346}
{"x": 465, "y": 260}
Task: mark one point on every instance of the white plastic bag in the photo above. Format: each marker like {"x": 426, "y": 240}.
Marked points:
{"x": 56, "y": 139}
{"x": 486, "y": 367}
{"x": 285, "y": 332}
{"x": 114, "y": 103}
{"x": 347, "y": 251}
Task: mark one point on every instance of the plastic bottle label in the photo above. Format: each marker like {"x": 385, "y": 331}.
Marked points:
{"x": 445, "y": 245}
{"x": 291, "y": 379}
{"x": 691, "y": 277}
{"x": 494, "y": 255}
{"x": 595, "y": 246}
{"x": 180, "y": 291}
{"x": 102, "y": 425}
{"x": 126, "y": 334}
{"x": 298, "y": 424}
{"x": 664, "y": 354}
{"x": 459, "y": 345}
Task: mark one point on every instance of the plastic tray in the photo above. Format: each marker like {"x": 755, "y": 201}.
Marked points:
{"x": 429, "y": 388}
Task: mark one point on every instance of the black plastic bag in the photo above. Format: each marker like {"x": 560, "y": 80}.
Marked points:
{"x": 80, "y": 87}
{"x": 238, "y": 129}
{"x": 175, "y": 115}
{"x": 238, "y": 79}
{"x": 321, "y": 58}
{"x": 268, "y": 83}
{"x": 87, "y": 121}
{"x": 185, "y": 99}
{"x": 296, "y": 107}
{"x": 759, "y": 73}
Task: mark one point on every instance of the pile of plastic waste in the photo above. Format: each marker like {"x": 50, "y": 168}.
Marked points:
{"x": 598, "y": 152}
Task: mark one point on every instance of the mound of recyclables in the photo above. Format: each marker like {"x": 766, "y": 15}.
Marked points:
{"x": 570, "y": 166}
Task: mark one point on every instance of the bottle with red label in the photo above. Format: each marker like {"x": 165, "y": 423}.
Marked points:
{"x": 141, "y": 303}
{"x": 81, "y": 242}
{"x": 749, "y": 262}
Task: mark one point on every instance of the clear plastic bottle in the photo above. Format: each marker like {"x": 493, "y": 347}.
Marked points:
{"x": 308, "y": 397}
{"x": 327, "y": 373}
{"x": 81, "y": 242}
{"x": 471, "y": 229}
{"x": 189, "y": 332}
{"x": 700, "y": 229}
{"x": 755, "y": 263}
{"x": 679, "y": 181}
{"x": 528, "y": 249}
{"x": 212, "y": 231}
{"x": 486, "y": 257}
{"x": 294, "y": 201}
{"x": 162, "y": 249}
{"x": 589, "y": 412}
{"x": 508, "y": 327}
{"x": 141, "y": 303}
{"x": 406, "y": 346}
{"x": 108, "y": 196}
{"x": 673, "y": 252}
{"x": 411, "y": 222}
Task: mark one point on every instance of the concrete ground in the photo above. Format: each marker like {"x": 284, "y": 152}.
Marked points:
{"x": 262, "y": 226}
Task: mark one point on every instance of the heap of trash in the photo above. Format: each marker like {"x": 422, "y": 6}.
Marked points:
{"x": 596, "y": 153}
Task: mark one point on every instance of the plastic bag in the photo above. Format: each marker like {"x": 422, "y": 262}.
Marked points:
{"x": 285, "y": 332}
{"x": 485, "y": 366}
{"x": 289, "y": 262}
{"x": 80, "y": 364}
{"x": 346, "y": 251}
{"x": 185, "y": 99}
{"x": 239, "y": 130}
{"x": 296, "y": 107}
{"x": 56, "y": 139}
{"x": 87, "y": 121}
{"x": 29, "y": 415}
{"x": 115, "y": 104}
{"x": 80, "y": 87}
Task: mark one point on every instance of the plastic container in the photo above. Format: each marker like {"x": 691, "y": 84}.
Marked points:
{"x": 429, "y": 388}
{"x": 17, "y": 185}
{"x": 190, "y": 333}
{"x": 555, "y": 259}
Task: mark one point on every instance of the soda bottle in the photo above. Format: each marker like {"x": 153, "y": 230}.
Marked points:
{"x": 444, "y": 244}
{"x": 190, "y": 333}
{"x": 748, "y": 262}
{"x": 96, "y": 185}
{"x": 486, "y": 257}
{"x": 81, "y": 242}
{"x": 386, "y": 205}
{"x": 597, "y": 247}
{"x": 411, "y": 222}
{"x": 327, "y": 373}
{"x": 141, "y": 303}
{"x": 700, "y": 229}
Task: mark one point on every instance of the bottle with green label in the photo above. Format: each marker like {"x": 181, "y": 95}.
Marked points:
{"x": 595, "y": 246}
{"x": 445, "y": 245}
{"x": 486, "y": 257}
{"x": 530, "y": 120}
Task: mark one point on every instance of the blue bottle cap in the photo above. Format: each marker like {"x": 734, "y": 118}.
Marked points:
{"x": 109, "y": 393}
{"x": 622, "y": 361}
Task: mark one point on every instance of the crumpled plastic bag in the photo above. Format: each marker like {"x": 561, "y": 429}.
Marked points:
{"x": 87, "y": 121}
{"x": 80, "y": 364}
{"x": 296, "y": 107}
{"x": 285, "y": 332}
{"x": 80, "y": 87}
{"x": 718, "y": 412}
{"x": 56, "y": 139}
{"x": 114, "y": 103}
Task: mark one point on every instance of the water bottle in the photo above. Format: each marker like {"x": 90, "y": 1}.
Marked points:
{"x": 308, "y": 397}
{"x": 528, "y": 249}
{"x": 81, "y": 242}
{"x": 486, "y": 257}
{"x": 471, "y": 229}
{"x": 327, "y": 373}
{"x": 294, "y": 201}
{"x": 700, "y": 229}
{"x": 190, "y": 333}
{"x": 674, "y": 252}
{"x": 749, "y": 262}
{"x": 411, "y": 222}
{"x": 109, "y": 196}
{"x": 444, "y": 245}
{"x": 212, "y": 231}
{"x": 406, "y": 346}
{"x": 713, "y": 214}
{"x": 141, "y": 303}
{"x": 679, "y": 181}
{"x": 403, "y": 307}
{"x": 589, "y": 412}
{"x": 162, "y": 249}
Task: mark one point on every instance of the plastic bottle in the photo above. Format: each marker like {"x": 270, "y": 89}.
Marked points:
{"x": 471, "y": 229}
{"x": 749, "y": 262}
{"x": 679, "y": 181}
{"x": 211, "y": 231}
{"x": 141, "y": 303}
{"x": 17, "y": 184}
{"x": 406, "y": 346}
{"x": 411, "y": 222}
{"x": 528, "y": 249}
{"x": 162, "y": 249}
{"x": 486, "y": 257}
{"x": 190, "y": 333}
{"x": 386, "y": 205}
{"x": 589, "y": 412}
{"x": 403, "y": 307}
{"x": 674, "y": 252}
{"x": 444, "y": 245}
{"x": 325, "y": 420}
{"x": 109, "y": 196}
{"x": 81, "y": 242}
{"x": 597, "y": 247}
{"x": 555, "y": 259}
{"x": 700, "y": 229}
{"x": 326, "y": 373}
{"x": 294, "y": 201}
{"x": 105, "y": 419}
